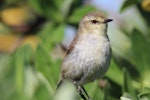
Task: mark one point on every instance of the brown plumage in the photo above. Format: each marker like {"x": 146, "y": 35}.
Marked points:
{"x": 88, "y": 56}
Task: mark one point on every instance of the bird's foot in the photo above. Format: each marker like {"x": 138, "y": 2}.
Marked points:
{"x": 82, "y": 92}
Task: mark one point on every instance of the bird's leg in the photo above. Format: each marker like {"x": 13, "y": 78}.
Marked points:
{"x": 79, "y": 89}
{"x": 85, "y": 92}
{"x": 82, "y": 92}
{"x": 59, "y": 83}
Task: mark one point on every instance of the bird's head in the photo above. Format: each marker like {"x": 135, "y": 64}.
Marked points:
{"x": 94, "y": 22}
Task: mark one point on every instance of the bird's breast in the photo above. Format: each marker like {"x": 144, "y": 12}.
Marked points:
{"x": 93, "y": 53}
{"x": 89, "y": 59}
{"x": 92, "y": 48}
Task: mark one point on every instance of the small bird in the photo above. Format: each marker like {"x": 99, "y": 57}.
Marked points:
{"x": 89, "y": 54}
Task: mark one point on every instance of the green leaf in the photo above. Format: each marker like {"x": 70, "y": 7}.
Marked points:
{"x": 65, "y": 7}
{"x": 21, "y": 60}
{"x": 47, "y": 9}
{"x": 114, "y": 71}
{"x": 110, "y": 98}
{"x": 43, "y": 61}
{"x": 94, "y": 91}
{"x": 145, "y": 94}
{"x": 127, "y": 87}
{"x": 51, "y": 35}
{"x": 45, "y": 35}
{"x": 4, "y": 65}
{"x": 128, "y": 3}
{"x": 58, "y": 34}
{"x": 79, "y": 13}
{"x": 35, "y": 5}
{"x": 46, "y": 66}
{"x": 140, "y": 49}
{"x": 67, "y": 91}
{"x": 125, "y": 98}
{"x": 42, "y": 93}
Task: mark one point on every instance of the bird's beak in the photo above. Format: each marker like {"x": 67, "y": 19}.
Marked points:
{"x": 107, "y": 20}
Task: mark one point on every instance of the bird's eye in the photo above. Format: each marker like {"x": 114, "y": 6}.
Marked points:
{"x": 94, "y": 21}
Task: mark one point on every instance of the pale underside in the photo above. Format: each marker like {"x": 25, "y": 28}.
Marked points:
{"x": 88, "y": 60}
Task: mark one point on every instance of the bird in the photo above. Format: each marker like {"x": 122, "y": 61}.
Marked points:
{"x": 89, "y": 54}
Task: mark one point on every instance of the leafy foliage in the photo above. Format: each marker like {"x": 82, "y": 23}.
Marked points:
{"x": 32, "y": 73}
{"x": 128, "y": 3}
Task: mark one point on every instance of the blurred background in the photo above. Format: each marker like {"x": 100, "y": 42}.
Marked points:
{"x": 34, "y": 35}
